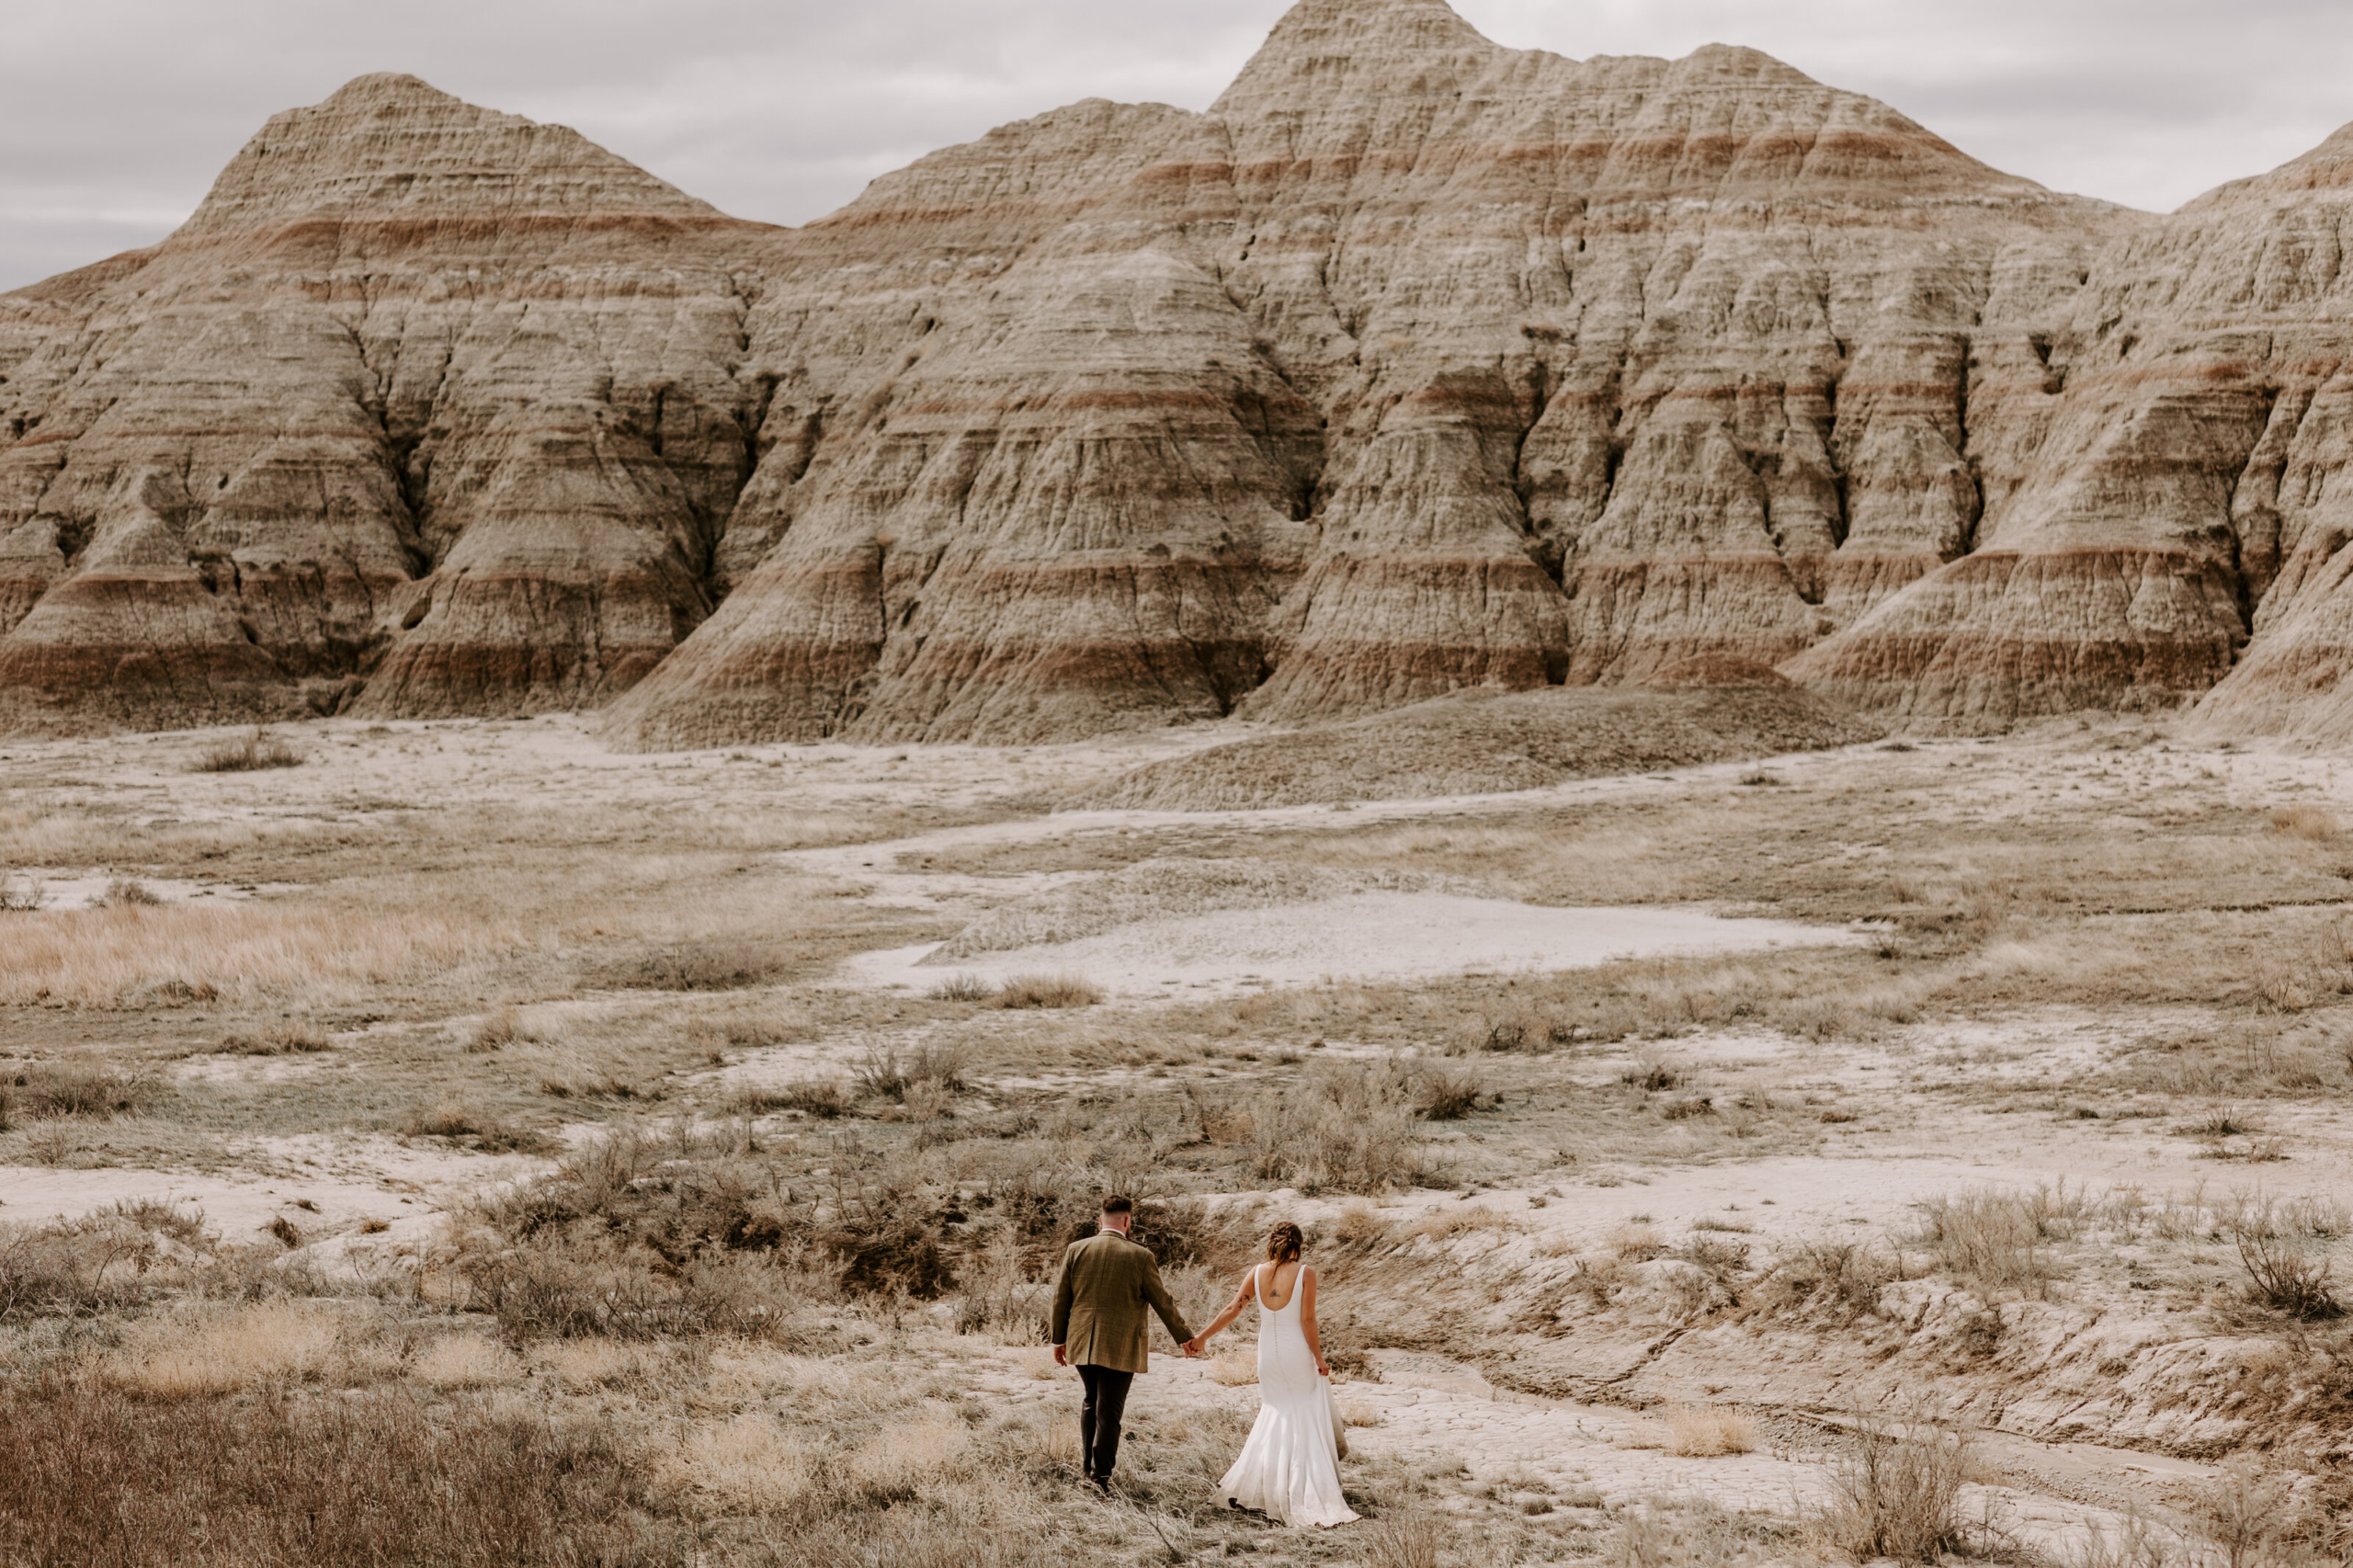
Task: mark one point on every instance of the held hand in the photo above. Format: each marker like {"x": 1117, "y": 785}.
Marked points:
{"x": 1192, "y": 1348}
{"x": 1321, "y": 1368}
{"x": 1061, "y": 1356}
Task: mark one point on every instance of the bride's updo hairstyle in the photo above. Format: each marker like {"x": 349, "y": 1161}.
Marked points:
{"x": 1285, "y": 1243}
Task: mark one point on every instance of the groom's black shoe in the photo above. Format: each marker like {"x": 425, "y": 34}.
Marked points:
{"x": 1099, "y": 1484}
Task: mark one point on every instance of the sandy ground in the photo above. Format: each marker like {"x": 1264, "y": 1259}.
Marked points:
{"x": 1365, "y": 937}
{"x": 375, "y": 1197}
{"x": 1576, "y": 1458}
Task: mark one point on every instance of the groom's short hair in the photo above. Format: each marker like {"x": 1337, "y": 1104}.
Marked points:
{"x": 1119, "y": 1203}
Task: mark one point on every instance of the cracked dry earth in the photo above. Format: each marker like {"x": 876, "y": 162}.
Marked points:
{"x": 1936, "y": 1083}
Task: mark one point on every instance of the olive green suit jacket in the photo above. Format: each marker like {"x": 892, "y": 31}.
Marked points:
{"x": 1106, "y": 1282}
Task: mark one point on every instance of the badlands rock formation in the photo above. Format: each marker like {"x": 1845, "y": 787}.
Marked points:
{"x": 422, "y": 396}
{"x": 1415, "y": 364}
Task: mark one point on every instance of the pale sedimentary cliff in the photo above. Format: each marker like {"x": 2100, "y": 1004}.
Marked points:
{"x": 1414, "y": 363}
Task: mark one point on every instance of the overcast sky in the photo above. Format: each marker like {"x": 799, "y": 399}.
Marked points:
{"x": 116, "y": 114}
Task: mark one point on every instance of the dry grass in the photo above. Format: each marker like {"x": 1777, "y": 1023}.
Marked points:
{"x": 1836, "y": 1283}
{"x": 204, "y": 1351}
{"x": 258, "y": 752}
{"x": 597, "y": 1363}
{"x": 1998, "y": 1241}
{"x": 110, "y": 958}
{"x": 962, "y": 988}
{"x": 93, "y": 1090}
{"x": 466, "y": 1361}
{"x": 1408, "y": 1539}
{"x": 900, "y": 1461}
{"x": 1688, "y": 1531}
{"x": 1340, "y": 1126}
{"x": 127, "y": 892}
{"x": 1467, "y": 1219}
{"x": 747, "y": 1464}
{"x": 823, "y": 1098}
{"x": 273, "y": 1040}
{"x": 452, "y": 1117}
{"x": 107, "y": 1260}
{"x": 501, "y": 1029}
{"x": 890, "y": 1073}
{"x": 1635, "y": 1241}
{"x": 1705, "y": 1432}
{"x": 1895, "y": 1492}
{"x": 1442, "y": 1093}
{"x": 1023, "y": 992}
{"x": 2317, "y": 824}
{"x": 2289, "y": 1266}
{"x": 97, "y": 1478}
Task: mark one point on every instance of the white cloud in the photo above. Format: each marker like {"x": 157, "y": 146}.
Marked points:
{"x": 117, "y": 113}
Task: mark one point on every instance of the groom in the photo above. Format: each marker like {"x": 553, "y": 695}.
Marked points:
{"x": 1099, "y": 1297}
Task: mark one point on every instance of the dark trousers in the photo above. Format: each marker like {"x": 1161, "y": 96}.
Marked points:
{"x": 1099, "y": 1417}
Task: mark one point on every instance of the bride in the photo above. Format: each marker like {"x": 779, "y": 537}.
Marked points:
{"x": 1289, "y": 1470}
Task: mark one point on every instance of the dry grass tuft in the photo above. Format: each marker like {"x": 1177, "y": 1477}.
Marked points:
{"x": 1705, "y": 1432}
{"x": 452, "y": 1118}
{"x": 896, "y": 1463}
{"x": 126, "y": 892}
{"x": 1348, "y": 1126}
{"x": 40, "y": 1090}
{"x": 747, "y": 1464}
{"x": 1635, "y": 1241}
{"x": 2287, "y": 1268}
{"x": 713, "y": 963}
{"x": 1467, "y": 1219}
{"x": 1407, "y": 1538}
{"x": 823, "y": 1098}
{"x": 277, "y": 1039}
{"x": 1233, "y": 1369}
{"x": 1362, "y": 1225}
{"x": 595, "y": 1363}
{"x": 1652, "y": 1072}
{"x": 1443, "y": 1095}
{"x": 1837, "y": 1281}
{"x": 1033, "y": 991}
{"x": 2317, "y": 823}
{"x": 892, "y": 1073}
{"x": 466, "y": 1361}
{"x": 257, "y": 753}
{"x": 962, "y": 988}
{"x": 21, "y": 895}
{"x": 197, "y": 1353}
{"x": 1996, "y": 1239}
{"x": 1895, "y": 1492}
{"x": 501, "y": 1029}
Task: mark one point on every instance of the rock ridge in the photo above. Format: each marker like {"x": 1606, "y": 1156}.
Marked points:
{"x": 1415, "y": 364}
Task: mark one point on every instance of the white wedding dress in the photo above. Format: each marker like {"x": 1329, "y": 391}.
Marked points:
{"x": 1289, "y": 1470}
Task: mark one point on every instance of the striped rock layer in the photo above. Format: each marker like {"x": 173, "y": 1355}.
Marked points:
{"x": 1414, "y": 363}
